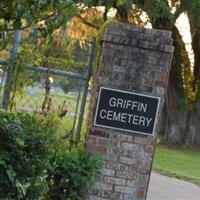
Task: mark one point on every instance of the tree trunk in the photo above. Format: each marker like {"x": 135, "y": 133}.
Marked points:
{"x": 180, "y": 122}
{"x": 174, "y": 119}
{"x": 122, "y": 13}
{"x": 192, "y": 133}
{"x": 196, "y": 50}
{"x": 175, "y": 115}
{"x": 193, "y": 129}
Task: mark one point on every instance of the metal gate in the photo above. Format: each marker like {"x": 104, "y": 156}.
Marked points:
{"x": 50, "y": 90}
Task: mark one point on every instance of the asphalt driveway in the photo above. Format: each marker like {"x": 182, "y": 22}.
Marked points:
{"x": 166, "y": 188}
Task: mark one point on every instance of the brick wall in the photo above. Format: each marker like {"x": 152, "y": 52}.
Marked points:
{"x": 137, "y": 60}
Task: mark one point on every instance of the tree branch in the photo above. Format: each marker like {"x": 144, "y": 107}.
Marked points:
{"x": 40, "y": 20}
{"x": 88, "y": 23}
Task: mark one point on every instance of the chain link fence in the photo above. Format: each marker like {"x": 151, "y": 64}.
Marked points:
{"x": 51, "y": 89}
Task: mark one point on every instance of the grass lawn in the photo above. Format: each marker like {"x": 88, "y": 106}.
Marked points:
{"x": 66, "y": 124}
{"x": 179, "y": 162}
{"x": 32, "y": 102}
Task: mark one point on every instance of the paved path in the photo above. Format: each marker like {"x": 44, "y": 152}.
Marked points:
{"x": 166, "y": 188}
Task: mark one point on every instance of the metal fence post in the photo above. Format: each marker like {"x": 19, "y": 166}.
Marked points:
{"x": 85, "y": 87}
{"x": 10, "y": 71}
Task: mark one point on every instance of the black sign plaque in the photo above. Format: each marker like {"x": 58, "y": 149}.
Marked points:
{"x": 126, "y": 111}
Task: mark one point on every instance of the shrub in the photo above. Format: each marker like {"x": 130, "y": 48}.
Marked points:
{"x": 71, "y": 175}
{"x": 36, "y": 164}
{"x": 26, "y": 145}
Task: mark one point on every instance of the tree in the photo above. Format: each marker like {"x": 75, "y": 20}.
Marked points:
{"x": 22, "y": 14}
{"x": 181, "y": 116}
{"x": 192, "y": 133}
{"x": 183, "y": 89}
{"x": 30, "y": 16}
{"x": 180, "y": 119}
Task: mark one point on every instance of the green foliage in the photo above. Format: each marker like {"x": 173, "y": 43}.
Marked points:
{"x": 35, "y": 50}
{"x": 159, "y": 13}
{"x": 20, "y": 82}
{"x": 68, "y": 84}
{"x": 16, "y": 15}
{"x": 51, "y": 53}
{"x": 109, "y": 4}
{"x": 158, "y": 8}
{"x": 192, "y": 7}
{"x": 71, "y": 175}
{"x": 46, "y": 16}
{"x": 35, "y": 162}
{"x": 26, "y": 145}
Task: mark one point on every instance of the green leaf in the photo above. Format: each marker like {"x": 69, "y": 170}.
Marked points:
{"x": 11, "y": 174}
{"x": 21, "y": 187}
{"x": 3, "y": 163}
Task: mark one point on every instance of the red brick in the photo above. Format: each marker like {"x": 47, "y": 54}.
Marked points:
{"x": 149, "y": 149}
{"x": 102, "y": 149}
{"x": 162, "y": 77}
{"x": 104, "y": 142}
{"x": 141, "y": 192}
{"x": 91, "y": 139}
{"x": 98, "y": 132}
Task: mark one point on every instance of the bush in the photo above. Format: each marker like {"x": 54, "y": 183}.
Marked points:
{"x": 35, "y": 164}
{"x": 71, "y": 175}
{"x": 27, "y": 143}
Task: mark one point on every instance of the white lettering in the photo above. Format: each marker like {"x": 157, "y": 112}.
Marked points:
{"x": 143, "y": 107}
{"x": 123, "y": 117}
{"x": 120, "y": 103}
{"x": 135, "y": 119}
{"x": 138, "y": 106}
{"x": 116, "y": 117}
{"x": 129, "y": 118}
{"x": 134, "y": 105}
{"x": 103, "y": 114}
{"x": 148, "y": 120}
{"x": 128, "y": 104}
{"x": 124, "y": 104}
{"x": 142, "y": 120}
{"x": 110, "y": 115}
{"x": 112, "y": 102}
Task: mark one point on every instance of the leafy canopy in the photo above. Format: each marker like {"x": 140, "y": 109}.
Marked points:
{"x": 21, "y": 14}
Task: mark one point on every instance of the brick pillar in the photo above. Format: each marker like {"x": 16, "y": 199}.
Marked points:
{"x": 133, "y": 59}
